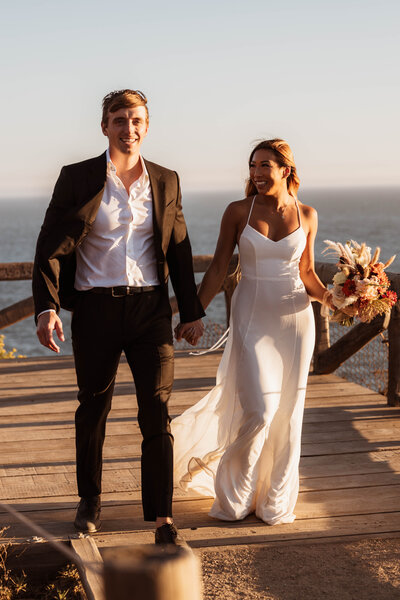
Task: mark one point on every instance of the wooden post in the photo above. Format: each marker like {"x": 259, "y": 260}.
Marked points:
{"x": 151, "y": 573}
{"x": 393, "y": 395}
{"x": 322, "y": 339}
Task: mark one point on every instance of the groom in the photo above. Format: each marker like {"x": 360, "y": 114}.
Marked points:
{"x": 113, "y": 232}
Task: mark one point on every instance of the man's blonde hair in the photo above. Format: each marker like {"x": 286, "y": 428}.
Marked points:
{"x": 123, "y": 99}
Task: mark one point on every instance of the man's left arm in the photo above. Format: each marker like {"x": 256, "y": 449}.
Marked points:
{"x": 180, "y": 264}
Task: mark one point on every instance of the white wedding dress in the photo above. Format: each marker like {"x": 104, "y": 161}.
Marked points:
{"x": 241, "y": 443}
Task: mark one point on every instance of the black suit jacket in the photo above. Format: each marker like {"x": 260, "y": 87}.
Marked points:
{"x": 70, "y": 215}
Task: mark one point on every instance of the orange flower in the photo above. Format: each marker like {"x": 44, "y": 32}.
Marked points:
{"x": 378, "y": 269}
{"x": 349, "y": 287}
{"x": 391, "y": 296}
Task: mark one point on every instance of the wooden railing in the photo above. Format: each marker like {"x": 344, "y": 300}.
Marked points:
{"x": 327, "y": 357}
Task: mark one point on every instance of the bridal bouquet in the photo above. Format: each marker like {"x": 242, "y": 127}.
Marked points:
{"x": 361, "y": 286}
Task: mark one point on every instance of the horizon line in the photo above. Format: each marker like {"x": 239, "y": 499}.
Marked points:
{"x": 220, "y": 190}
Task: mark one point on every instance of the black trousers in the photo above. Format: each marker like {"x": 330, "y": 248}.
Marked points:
{"x": 139, "y": 325}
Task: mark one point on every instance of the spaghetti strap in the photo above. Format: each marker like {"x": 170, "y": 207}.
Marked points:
{"x": 251, "y": 210}
{"x": 298, "y": 212}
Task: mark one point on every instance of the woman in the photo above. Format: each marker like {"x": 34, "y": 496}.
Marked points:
{"x": 241, "y": 443}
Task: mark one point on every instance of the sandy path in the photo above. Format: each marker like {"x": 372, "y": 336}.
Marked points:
{"x": 364, "y": 570}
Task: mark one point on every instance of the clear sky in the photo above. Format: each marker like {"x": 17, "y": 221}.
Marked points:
{"x": 219, "y": 75}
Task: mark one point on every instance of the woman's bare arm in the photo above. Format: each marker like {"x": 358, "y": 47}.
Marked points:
{"x": 216, "y": 272}
{"x": 314, "y": 286}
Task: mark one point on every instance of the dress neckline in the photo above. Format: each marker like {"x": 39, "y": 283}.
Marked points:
{"x": 270, "y": 239}
{"x": 265, "y": 236}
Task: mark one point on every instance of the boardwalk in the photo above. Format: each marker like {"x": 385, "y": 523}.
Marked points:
{"x": 350, "y": 465}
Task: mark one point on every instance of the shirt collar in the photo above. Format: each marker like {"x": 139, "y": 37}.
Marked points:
{"x": 111, "y": 169}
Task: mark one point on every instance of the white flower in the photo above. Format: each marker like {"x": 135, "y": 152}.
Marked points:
{"x": 364, "y": 258}
{"x": 339, "y": 299}
{"x": 361, "y": 252}
{"x": 339, "y": 278}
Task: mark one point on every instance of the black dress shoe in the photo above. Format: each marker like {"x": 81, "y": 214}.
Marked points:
{"x": 87, "y": 517}
{"x": 167, "y": 534}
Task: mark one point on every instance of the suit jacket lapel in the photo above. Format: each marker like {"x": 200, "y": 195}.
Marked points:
{"x": 158, "y": 194}
{"x": 96, "y": 180}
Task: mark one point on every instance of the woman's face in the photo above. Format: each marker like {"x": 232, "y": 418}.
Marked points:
{"x": 267, "y": 175}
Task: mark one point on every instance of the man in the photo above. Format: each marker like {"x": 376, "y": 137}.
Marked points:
{"x": 112, "y": 234}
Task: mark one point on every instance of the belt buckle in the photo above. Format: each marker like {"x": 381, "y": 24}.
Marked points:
{"x": 116, "y": 295}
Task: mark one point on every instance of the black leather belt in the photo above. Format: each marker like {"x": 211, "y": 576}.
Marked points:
{"x": 123, "y": 290}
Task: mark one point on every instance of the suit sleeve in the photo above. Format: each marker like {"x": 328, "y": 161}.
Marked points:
{"x": 49, "y": 250}
{"x": 180, "y": 264}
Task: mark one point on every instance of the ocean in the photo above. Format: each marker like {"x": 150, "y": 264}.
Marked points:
{"x": 370, "y": 215}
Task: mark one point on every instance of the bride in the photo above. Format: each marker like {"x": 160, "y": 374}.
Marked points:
{"x": 241, "y": 443}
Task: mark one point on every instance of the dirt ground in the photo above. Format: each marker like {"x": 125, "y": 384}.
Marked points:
{"x": 364, "y": 570}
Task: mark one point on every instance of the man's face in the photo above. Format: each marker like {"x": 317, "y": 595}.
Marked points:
{"x": 126, "y": 129}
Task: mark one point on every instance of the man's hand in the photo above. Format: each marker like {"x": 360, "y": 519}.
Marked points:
{"x": 47, "y": 323}
{"x": 191, "y": 332}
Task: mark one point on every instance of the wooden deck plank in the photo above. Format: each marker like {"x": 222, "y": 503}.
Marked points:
{"x": 130, "y": 434}
{"x": 40, "y": 396}
{"x": 311, "y": 415}
{"x": 126, "y": 448}
{"x": 119, "y": 521}
{"x": 316, "y": 431}
{"x": 88, "y": 552}
{"x": 311, "y": 504}
{"x": 63, "y": 485}
{"x": 353, "y": 463}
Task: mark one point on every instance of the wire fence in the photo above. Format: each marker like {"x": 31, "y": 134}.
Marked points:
{"x": 368, "y": 366}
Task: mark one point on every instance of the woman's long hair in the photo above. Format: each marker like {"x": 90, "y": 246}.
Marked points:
{"x": 284, "y": 158}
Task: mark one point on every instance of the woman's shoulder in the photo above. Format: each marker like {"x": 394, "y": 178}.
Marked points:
{"x": 307, "y": 212}
{"x": 238, "y": 208}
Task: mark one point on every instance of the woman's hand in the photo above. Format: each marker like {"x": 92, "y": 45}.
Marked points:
{"x": 327, "y": 303}
{"x": 191, "y": 331}
{"x": 327, "y": 300}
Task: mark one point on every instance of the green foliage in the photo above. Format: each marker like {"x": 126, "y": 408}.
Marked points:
{"x": 10, "y": 354}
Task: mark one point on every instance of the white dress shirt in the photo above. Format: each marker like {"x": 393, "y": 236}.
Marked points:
{"x": 119, "y": 248}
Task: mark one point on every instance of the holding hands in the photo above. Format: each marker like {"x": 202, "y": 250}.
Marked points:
{"x": 191, "y": 332}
